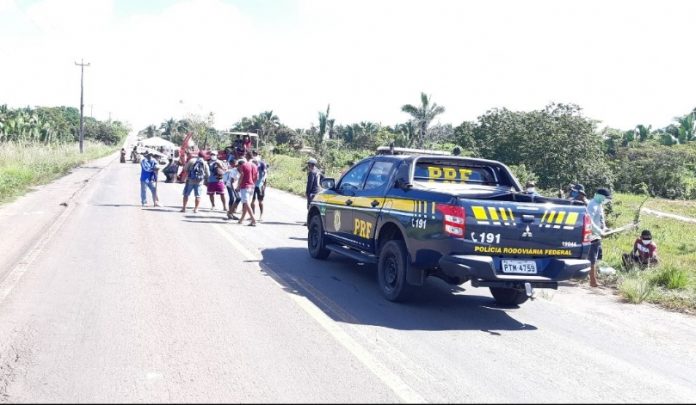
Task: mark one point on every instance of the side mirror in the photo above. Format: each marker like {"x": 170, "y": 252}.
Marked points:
{"x": 328, "y": 183}
{"x": 403, "y": 184}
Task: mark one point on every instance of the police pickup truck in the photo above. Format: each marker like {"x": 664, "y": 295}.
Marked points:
{"x": 418, "y": 213}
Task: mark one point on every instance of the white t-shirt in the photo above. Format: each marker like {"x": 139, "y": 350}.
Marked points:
{"x": 230, "y": 177}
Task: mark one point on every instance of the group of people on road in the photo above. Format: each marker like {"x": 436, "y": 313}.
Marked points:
{"x": 239, "y": 182}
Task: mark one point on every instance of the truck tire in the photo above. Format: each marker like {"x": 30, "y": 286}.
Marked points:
{"x": 315, "y": 239}
{"x": 392, "y": 268}
{"x": 508, "y": 296}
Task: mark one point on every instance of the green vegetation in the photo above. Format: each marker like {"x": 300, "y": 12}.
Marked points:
{"x": 25, "y": 165}
{"x": 672, "y": 283}
{"x": 555, "y": 146}
{"x": 52, "y": 125}
{"x": 38, "y": 145}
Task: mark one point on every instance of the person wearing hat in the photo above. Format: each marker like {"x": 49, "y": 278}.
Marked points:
{"x": 148, "y": 179}
{"x": 313, "y": 180}
{"x": 530, "y": 188}
{"x": 644, "y": 252}
{"x": 577, "y": 193}
{"x": 595, "y": 209}
{"x": 217, "y": 169}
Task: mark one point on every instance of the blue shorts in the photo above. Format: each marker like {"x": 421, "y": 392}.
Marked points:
{"x": 595, "y": 251}
{"x": 196, "y": 188}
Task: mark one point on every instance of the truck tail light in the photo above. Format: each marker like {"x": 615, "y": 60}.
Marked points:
{"x": 586, "y": 229}
{"x": 454, "y": 219}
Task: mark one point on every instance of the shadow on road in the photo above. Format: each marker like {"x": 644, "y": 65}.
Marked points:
{"x": 348, "y": 292}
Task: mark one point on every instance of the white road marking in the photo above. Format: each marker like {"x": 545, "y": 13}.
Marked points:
{"x": 391, "y": 380}
{"x": 18, "y": 271}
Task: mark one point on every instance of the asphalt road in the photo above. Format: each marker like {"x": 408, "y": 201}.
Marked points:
{"x": 104, "y": 301}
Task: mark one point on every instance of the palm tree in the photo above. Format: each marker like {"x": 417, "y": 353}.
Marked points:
{"x": 686, "y": 128}
{"x": 151, "y": 131}
{"x": 267, "y": 122}
{"x": 324, "y": 123}
{"x": 423, "y": 115}
{"x": 644, "y": 133}
{"x": 169, "y": 128}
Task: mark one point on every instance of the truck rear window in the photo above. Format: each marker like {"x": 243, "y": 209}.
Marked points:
{"x": 453, "y": 172}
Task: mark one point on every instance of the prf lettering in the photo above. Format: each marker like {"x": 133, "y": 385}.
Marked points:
{"x": 448, "y": 174}
{"x": 362, "y": 228}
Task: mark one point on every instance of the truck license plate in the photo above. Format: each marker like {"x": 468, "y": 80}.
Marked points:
{"x": 519, "y": 266}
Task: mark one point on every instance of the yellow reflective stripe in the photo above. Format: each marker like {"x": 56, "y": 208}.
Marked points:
{"x": 572, "y": 218}
{"x": 503, "y": 214}
{"x": 551, "y": 216}
{"x": 544, "y": 217}
{"x": 401, "y": 204}
{"x": 494, "y": 213}
{"x": 560, "y": 217}
{"x": 479, "y": 213}
{"x": 512, "y": 217}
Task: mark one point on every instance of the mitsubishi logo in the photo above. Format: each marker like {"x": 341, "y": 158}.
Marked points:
{"x": 527, "y": 233}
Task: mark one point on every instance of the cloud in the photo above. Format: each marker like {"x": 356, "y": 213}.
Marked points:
{"x": 624, "y": 65}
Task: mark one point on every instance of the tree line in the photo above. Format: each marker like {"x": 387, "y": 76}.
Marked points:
{"x": 49, "y": 125}
{"x": 554, "y": 146}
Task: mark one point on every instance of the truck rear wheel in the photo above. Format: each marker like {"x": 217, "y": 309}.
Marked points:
{"x": 315, "y": 239}
{"x": 508, "y": 296}
{"x": 392, "y": 268}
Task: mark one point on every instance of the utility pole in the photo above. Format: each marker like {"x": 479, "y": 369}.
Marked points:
{"x": 82, "y": 65}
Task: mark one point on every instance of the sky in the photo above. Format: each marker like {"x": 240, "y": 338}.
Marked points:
{"x": 625, "y": 63}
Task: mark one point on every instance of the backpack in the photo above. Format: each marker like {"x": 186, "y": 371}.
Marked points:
{"x": 219, "y": 171}
{"x": 197, "y": 172}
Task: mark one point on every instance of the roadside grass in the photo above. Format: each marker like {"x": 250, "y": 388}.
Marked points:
{"x": 25, "y": 165}
{"x": 685, "y": 208}
{"x": 672, "y": 283}
{"x": 289, "y": 173}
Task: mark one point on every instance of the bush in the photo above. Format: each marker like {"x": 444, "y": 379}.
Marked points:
{"x": 670, "y": 277}
{"x": 663, "y": 169}
{"x": 635, "y": 289}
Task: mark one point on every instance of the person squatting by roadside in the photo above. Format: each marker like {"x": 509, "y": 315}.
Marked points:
{"x": 644, "y": 252}
{"x": 148, "y": 180}
{"x": 248, "y": 178}
{"x": 215, "y": 185}
{"x": 596, "y": 210}
{"x": 197, "y": 171}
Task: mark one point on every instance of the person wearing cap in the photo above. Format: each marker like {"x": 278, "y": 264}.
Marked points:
{"x": 644, "y": 252}
{"x": 148, "y": 179}
{"x": 595, "y": 209}
{"x": 217, "y": 168}
{"x": 313, "y": 180}
{"x": 194, "y": 184}
{"x": 530, "y": 188}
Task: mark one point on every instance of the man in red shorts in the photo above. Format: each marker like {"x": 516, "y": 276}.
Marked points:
{"x": 215, "y": 185}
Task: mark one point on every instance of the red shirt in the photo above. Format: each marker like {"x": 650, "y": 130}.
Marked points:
{"x": 249, "y": 175}
{"x": 644, "y": 252}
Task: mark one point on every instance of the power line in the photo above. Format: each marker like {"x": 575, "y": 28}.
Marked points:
{"x": 82, "y": 65}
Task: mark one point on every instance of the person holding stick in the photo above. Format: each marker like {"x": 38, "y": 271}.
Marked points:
{"x": 599, "y": 229}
